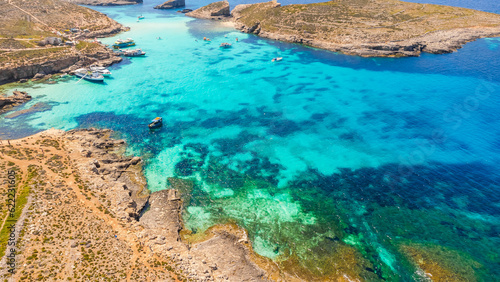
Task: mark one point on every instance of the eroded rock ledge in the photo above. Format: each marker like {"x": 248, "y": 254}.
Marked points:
{"x": 365, "y": 27}
{"x": 16, "y": 99}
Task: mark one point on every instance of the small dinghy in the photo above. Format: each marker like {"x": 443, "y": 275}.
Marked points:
{"x": 225, "y": 45}
{"x": 156, "y": 123}
{"x": 277, "y": 59}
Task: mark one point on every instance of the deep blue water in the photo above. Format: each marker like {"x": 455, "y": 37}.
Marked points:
{"x": 316, "y": 155}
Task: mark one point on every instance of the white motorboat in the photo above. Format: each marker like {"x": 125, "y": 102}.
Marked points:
{"x": 102, "y": 70}
{"x": 133, "y": 53}
{"x": 89, "y": 75}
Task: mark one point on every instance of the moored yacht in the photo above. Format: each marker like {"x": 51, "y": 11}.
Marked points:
{"x": 102, "y": 70}
{"x": 133, "y": 53}
{"x": 89, "y": 75}
{"x": 120, "y": 43}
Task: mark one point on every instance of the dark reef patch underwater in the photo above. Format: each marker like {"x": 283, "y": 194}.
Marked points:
{"x": 442, "y": 219}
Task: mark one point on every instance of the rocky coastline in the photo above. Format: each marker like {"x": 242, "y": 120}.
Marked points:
{"x": 363, "y": 28}
{"x": 24, "y": 59}
{"x": 92, "y": 180}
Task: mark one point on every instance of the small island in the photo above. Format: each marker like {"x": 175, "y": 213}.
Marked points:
{"x": 369, "y": 28}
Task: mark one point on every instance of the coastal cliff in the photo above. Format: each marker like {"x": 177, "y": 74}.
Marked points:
{"x": 22, "y": 55}
{"x": 90, "y": 202}
{"x": 368, "y": 27}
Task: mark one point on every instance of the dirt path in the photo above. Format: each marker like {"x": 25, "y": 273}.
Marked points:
{"x": 28, "y": 13}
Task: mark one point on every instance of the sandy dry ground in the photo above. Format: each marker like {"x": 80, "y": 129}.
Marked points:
{"x": 82, "y": 219}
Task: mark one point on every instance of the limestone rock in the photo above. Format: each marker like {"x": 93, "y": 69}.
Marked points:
{"x": 217, "y": 10}
{"x": 18, "y": 98}
{"x": 170, "y": 4}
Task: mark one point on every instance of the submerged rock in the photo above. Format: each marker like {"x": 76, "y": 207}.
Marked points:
{"x": 184, "y": 11}
{"x": 38, "y": 107}
{"x": 170, "y": 4}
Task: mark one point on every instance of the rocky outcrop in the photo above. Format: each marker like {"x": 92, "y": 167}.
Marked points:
{"x": 368, "y": 28}
{"x": 170, "y": 4}
{"x": 216, "y": 11}
{"x": 106, "y": 2}
{"x": 115, "y": 176}
{"x": 16, "y": 99}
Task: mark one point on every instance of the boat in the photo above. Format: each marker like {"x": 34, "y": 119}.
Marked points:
{"x": 120, "y": 43}
{"x": 133, "y": 53}
{"x": 102, "y": 70}
{"x": 277, "y": 59}
{"x": 156, "y": 123}
{"x": 225, "y": 45}
{"x": 89, "y": 75}
{"x": 140, "y": 17}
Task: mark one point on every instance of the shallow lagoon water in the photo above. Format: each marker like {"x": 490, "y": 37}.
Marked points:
{"x": 319, "y": 156}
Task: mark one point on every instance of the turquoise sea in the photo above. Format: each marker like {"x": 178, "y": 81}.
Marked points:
{"x": 389, "y": 166}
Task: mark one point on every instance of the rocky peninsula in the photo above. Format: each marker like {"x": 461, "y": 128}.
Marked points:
{"x": 28, "y": 27}
{"x": 369, "y": 28}
{"x": 84, "y": 211}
